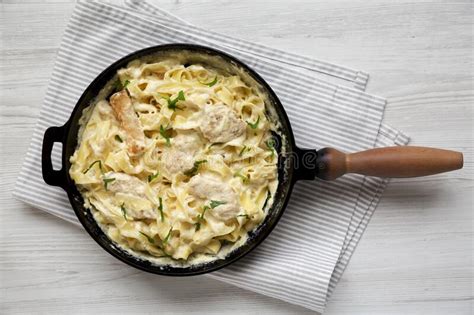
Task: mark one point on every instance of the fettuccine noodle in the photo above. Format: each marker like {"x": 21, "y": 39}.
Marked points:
{"x": 179, "y": 161}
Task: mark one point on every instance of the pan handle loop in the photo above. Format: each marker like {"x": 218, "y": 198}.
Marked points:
{"x": 51, "y": 176}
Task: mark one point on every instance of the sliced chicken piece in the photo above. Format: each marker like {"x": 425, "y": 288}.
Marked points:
{"x": 213, "y": 188}
{"x": 123, "y": 109}
{"x": 126, "y": 184}
{"x": 136, "y": 205}
{"x": 180, "y": 157}
{"x": 188, "y": 142}
{"x": 142, "y": 214}
{"x": 175, "y": 162}
{"x": 139, "y": 214}
{"x": 220, "y": 124}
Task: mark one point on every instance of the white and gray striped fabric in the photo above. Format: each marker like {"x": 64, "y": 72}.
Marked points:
{"x": 305, "y": 256}
{"x": 357, "y": 78}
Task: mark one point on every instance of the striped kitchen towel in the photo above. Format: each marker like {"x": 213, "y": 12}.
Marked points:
{"x": 304, "y": 257}
{"x": 357, "y": 78}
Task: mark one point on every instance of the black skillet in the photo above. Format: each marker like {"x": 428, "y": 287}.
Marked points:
{"x": 294, "y": 163}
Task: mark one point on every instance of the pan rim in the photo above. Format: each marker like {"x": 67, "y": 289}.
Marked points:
{"x": 146, "y": 265}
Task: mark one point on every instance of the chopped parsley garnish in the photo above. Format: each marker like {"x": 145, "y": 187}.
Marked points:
{"x": 245, "y": 179}
{"x": 211, "y": 83}
{"x": 255, "y": 124}
{"x": 120, "y": 86}
{"x": 160, "y": 207}
{"x": 150, "y": 239}
{"x": 167, "y": 237}
{"x": 243, "y": 215}
{"x": 192, "y": 171}
{"x": 165, "y": 132}
{"x": 213, "y": 204}
{"x": 200, "y": 218}
{"x": 152, "y": 177}
{"x": 124, "y": 211}
{"x": 107, "y": 181}
{"x": 117, "y": 137}
{"x": 172, "y": 102}
{"x": 271, "y": 146}
{"x": 216, "y": 203}
{"x": 92, "y": 164}
{"x": 124, "y": 85}
{"x": 243, "y": 150}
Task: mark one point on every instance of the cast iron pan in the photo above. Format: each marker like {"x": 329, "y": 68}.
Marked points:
{"x": 293, "y": 164}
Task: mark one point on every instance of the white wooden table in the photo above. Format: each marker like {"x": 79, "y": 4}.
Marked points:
{"x": 414, "y": 258}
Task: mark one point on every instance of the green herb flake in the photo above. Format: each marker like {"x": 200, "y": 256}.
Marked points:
{"x": 160, "y": 207}
{"x": 150, "y": 239}
{"x": 172, "y": 103}
{"x": 255, "y": 124}
{"x": 124, "y": 211}
{"x": 213, "y": 204}
{"x": 152, "y": 177}
{"x": 192, "y": 171}
{"x": 107, "y": 181}
{"x": 167, "y": 237}
{"x": 216, "y": 203}
{"x": 118, "y": 85}
{"x": 121, "y": 86}
{"x": 244, "y": 178}
{"x": 243, "y": 150}
{"x": 271, "y": 146}
{"x": 165, "y": 132}
{"x": 92, "y": 164}
{"x": 200, "y": 217}
{"x": 117, "y": 137}
{"x": 124, "y": 85}
{"x": 211, "y": 83}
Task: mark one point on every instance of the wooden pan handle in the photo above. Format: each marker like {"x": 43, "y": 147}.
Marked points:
{"x": 402, "y": 161}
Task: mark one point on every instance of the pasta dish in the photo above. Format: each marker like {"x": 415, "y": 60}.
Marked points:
{"x": 178, "y": 163}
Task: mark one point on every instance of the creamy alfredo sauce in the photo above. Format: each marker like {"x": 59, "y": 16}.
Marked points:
{"x": 179, "y": 163}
